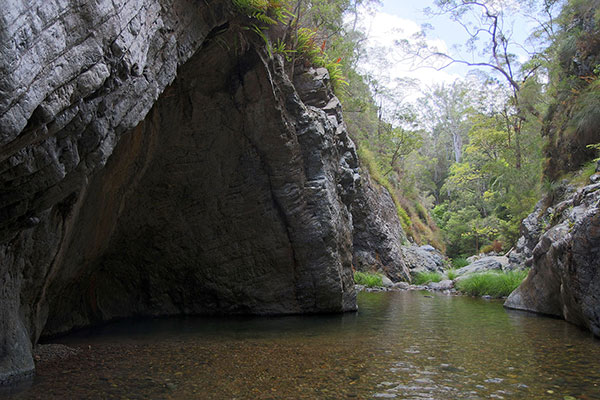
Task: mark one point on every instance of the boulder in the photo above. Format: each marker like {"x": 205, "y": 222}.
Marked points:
{"x": 564, "y": 280}
{"x": 483, "y": 264}
{"x": 423, "y": 259}
{"x": 386, "y": 282}
{"x": 446, "y": 284}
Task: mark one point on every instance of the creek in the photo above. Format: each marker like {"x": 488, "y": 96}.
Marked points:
{"x": 404, "y": 345}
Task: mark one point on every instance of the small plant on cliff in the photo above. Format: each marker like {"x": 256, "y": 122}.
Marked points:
{"x": 267, "y": 12}
{"x": 423, "y": 278}
{"x": 308, "y": 48}
{"x": 368, "y": 279}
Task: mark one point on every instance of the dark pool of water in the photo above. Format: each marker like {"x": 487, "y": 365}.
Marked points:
{"x": 404, "y": 345}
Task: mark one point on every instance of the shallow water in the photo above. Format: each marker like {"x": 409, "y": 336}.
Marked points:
{"x": 404, "y": 345}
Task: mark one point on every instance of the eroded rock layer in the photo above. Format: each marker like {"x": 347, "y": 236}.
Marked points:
{"x": 154, "y": 161}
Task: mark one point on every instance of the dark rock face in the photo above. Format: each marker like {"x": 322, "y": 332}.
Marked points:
{"x": 228, "y": 191}
{"x": 73, "y": 80}
{"x": 378, "y": 234}
{"x": 565, "y": 276}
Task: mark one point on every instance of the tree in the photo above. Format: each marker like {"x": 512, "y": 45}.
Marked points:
{"x": 489, "y": 44}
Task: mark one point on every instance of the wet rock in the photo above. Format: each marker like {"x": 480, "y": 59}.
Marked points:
{"x": 402, "y": 285}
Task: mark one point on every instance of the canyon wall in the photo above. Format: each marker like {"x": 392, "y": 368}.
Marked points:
{"x": 155, "y": 160}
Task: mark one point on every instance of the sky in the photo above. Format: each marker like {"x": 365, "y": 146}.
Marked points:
{"x": 398, "y": 19}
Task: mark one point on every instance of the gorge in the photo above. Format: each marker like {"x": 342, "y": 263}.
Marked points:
{"x": 157, "y": 158}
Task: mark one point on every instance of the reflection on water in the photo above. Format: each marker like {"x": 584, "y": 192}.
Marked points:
{"x": 399, "y": 345}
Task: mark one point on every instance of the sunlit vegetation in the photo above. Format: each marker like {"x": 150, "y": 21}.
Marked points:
{"x": 423, "y": 278}
{"x": 494, "y": 284}
{"x": 368, "y": 279}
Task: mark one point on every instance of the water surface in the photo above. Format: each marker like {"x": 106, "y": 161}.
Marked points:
{"x": 404, "y": 345}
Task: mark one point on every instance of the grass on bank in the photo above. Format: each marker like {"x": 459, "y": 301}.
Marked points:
{"x": 451, "y": 274}
{"x": 459, "y": 262}
{"x": 368, "y": 279}
{"x": 423, "y": 278}
{"x": 494, "y": 284}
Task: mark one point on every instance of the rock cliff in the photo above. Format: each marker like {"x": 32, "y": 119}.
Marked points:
{"x": 155, "y": 161}
{"x": 564, "y": 280}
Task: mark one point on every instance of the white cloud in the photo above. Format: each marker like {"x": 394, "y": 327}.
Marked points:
{"x": 387, "y": 62}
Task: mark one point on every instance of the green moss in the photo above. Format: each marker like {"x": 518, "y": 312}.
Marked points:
{"x": 423, "y": 278}
{"x": 491, "y": 283}
{"x": 368, "y": 279}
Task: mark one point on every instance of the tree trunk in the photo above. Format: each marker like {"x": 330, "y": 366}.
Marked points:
{"x": 518, "y": 145}
{"x": 457, "y": 146}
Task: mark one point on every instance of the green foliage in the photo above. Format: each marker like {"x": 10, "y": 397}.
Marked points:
{"x": 421, "y": 212}
{"x": 459, "y": 262}
{"x": 491, "y": 283}
{"x": 423, "y": 278}
{"x": 404, "y": 218}
{"x": 486, "y": 249}
{"x": 307, "y": 47}
{"x": 582, "y": 177}
{"x": 266, "y": 12}
{"x": 368, "y": 279}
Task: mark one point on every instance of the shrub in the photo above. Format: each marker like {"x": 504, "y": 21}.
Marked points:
{"x": 497, "y": 246}
{"x": 491, "y": 283}
{"x": 423, "y": 278}
{"x": 459, "y": 262}
{"x": 486, "y": 249}
{"x": 421, "y": 212}
{"x": 368, "y": 279}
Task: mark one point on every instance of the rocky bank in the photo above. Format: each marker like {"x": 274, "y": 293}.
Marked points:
{"x": 154, "y": 160}
{"x": 561, "y": 243}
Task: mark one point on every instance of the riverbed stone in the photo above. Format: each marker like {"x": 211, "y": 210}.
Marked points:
{"x": 386, "y": 282}
{"x": 445, "y": 284}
